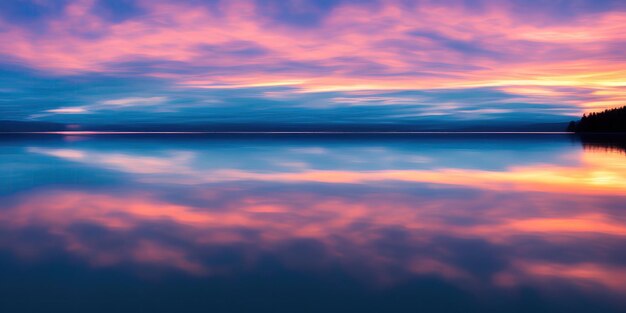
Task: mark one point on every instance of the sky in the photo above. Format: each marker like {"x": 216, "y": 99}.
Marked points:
{"x": 296, "y": 61}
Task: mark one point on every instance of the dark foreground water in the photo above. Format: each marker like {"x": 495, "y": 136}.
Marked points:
{"x": 312, "y": 223}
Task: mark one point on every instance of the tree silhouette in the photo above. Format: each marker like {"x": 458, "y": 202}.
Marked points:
{"x": 607, "y": 121}
{"x": 572, "y": 126}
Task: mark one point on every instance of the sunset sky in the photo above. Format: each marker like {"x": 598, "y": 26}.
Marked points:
{"x": 325, "y": 61}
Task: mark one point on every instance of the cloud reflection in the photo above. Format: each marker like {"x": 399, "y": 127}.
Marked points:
{"x": 533, "y": 225}
{"x": 598, "y": 173}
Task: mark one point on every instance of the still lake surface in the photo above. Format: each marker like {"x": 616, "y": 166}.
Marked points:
{"x": 312, "y": 223}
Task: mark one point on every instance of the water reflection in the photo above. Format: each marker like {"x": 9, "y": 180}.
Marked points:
{"x": 604, "y": 142}
{"x": 530, "y": 224}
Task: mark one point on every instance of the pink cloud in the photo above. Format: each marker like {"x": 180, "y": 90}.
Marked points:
{"x": 387, "y": 46}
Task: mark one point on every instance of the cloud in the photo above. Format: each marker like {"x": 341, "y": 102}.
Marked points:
{"x": 68, "y": 110}
{"x": 133, "y": 101}
{"x": 113, "y": 104}
{"x": 323, "y": 47}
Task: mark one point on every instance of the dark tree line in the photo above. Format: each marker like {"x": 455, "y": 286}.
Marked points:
{"x": 612, "y": 120}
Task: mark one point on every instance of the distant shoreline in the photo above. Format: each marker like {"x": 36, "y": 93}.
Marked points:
{"x": 277, "y": 132}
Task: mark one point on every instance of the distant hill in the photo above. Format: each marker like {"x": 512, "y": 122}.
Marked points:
{"x": 18, "y": 126}
{"x": 607, "y": 121}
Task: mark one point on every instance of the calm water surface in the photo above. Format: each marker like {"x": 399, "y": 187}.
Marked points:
{"x": 309, "y": 223}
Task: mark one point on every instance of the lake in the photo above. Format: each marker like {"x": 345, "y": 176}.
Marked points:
{"x": 312, "y": 223}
